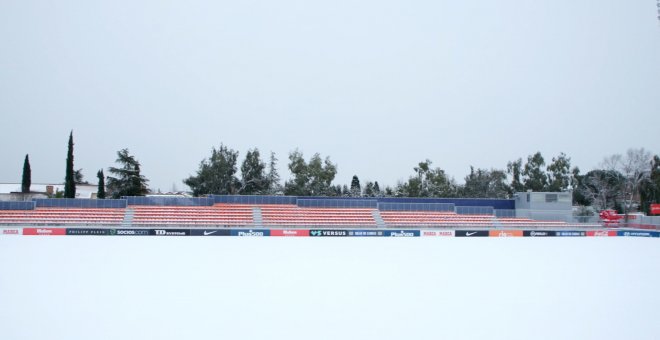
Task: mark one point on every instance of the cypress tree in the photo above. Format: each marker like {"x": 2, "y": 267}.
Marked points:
{"x": 100, "y": 194}
{"x": 69, "y": 179}
{"x": 27, "y": 176}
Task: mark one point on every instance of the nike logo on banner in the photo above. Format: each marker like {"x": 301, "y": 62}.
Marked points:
{"x": 207, "y": 233}
{"x": 470, "y": 234}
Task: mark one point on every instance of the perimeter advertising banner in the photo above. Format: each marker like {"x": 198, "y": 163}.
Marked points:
{"x": 539, "y": 233}
{"x": 505, "y": 233}
{"x": 436, "y": 233}
{"x": 250, "y": 232}
{"x": 87, "y": 231}
{"x": 365, "y": 233}
{"x": 328, "y": 232}
{"x": 472, "y": 233}
{"x": 10, "y": 231}
{"x": 289, "y": 232}
{"x": 655, "y": 209}
{"x": 169, "y": 232}
{"x": 601, "y": 233}
{"x": 401, "y": 233}
{"x": 44, "y": 231}
{"x": 634, "y": 233}
{"x": 128, "y": 232}
{"x": 571, "y": 233}
{"x": 210, "y": 232}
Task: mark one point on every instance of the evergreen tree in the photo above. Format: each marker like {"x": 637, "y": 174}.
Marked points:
{"x": 515, "y": 170}
{"x": 356, "y": 189}
{"x": 486, "y": 184}
{"x": 345, "y": 192}
{"x": 100, "y": 193}
{"x": 27, "y": 176}
{"x": 69, "y": 178}
{"x": 310, "y": 179}
{"x": 254, "y": 179}
{"x": 428, "y": 182}
{"x": 129, "y": 181}
{"x": 78, "y": 177}
{"x": 273, "y": 177}
{"x": 535, "y": 178}
{"x": 650, "y": 188}
{"x": 377, "y": 189}
{"x": 216, "y": 175}
{"x": 369, "y": 189}
{"x": 559, "y": 173}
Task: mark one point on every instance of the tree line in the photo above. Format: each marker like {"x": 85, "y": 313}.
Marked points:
{"x": 622, "y": 182}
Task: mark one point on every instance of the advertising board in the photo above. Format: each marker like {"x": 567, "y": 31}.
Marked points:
{"x": 436, "y": 233}
{"x": 210, "y": 232}
{"x": 505, "y": 233}
{"x": 87, "y": 231}
{"x": 289, "y": 232}
{"x": 601, "y": 233}
{"x": 44, "y": 231}
{"x": 401, "y": 233}
{"x": 636, "y": 233}
{"x": 539, "y": 233}
{"x": 328, "y": 232}
{"x": 250, "y": 232}
{"x": 128, "y": 232}
{"x": 169, "y": 232}
{"x": 571, "y": 233}
{"x": 655, "y": 209}
{"x": 10, "y": 231}
{"x": 365, "y": 233}
{"x": 471, "y": 233}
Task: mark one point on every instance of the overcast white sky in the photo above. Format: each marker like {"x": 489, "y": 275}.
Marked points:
{"x": 376, "y": 85}
{"x": 80, "y": 288}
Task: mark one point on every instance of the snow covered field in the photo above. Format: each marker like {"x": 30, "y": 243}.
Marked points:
{"x": 329, "y": 288}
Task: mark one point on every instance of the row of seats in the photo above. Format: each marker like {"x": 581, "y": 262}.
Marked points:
{"x": 292, "y": 215}
{"x": 219, "y": 214}
{"x": 65, "y": 216}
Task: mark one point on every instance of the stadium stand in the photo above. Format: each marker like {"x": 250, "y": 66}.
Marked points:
{"x": 269, "y": 211}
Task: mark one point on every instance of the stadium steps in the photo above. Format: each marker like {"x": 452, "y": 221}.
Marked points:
{"x": 128, "y": 217}
{"x": 496, "y": 222}
{"x": 257, "y": 217}
{"x": 379, "y": 219}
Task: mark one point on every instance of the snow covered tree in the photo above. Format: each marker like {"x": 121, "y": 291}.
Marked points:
{"x": 369, "y": 190}
{"x": 602, "y": 188}
{"x": 128, "y": 180}
{"x": 515, "y": 170}
{"x": 27, "y": 176}
{"x": 217, "y": 174}
{"x": 356, "y": 189}
{"x": 427, "y": 182}
{"x": 535, "y": 178}
{"x": 310, "y": 179}
{"x": 273, "y": 177}
{"x": 254, "y": 180}
{"x": 486, "y": 184}
{"x": 650, "y": 188}
{"x": 559, "y": 173}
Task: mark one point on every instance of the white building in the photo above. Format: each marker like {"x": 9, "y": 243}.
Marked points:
{"x": 12, "y": 191}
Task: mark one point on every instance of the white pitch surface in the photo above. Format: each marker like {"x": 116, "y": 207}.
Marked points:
{"x": 329, "y": 288}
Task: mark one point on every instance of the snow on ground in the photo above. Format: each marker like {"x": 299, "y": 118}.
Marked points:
{"x": 329, "y": 288}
